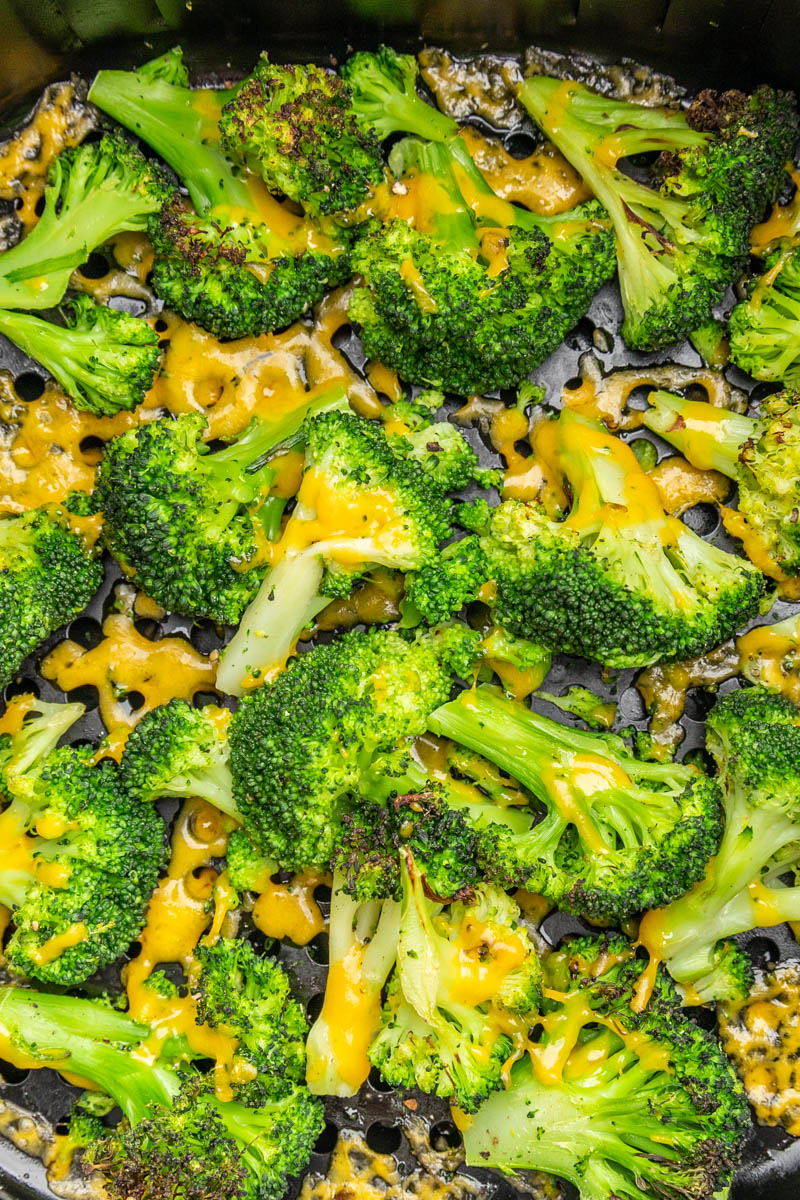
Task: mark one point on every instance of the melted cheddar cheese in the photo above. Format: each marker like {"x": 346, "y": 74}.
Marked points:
{"x": 289, "y": 910}
{"x": 771, "y": 656}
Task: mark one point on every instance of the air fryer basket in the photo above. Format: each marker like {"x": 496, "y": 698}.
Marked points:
{"x": 702, "y": 42}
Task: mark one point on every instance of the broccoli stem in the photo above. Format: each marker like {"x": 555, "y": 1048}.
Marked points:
{"x": 77, "y": 1035}
{"x": 182, "y": 125}
{"x": 710, "y": 437}
{"x": 382, "y": 105}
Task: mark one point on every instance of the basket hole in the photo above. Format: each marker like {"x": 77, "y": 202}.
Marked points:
{"x": 317, "y": 948}
{"x": 383, "y": 1137}
{"x": 28, "y": 385}
{"x": 444, "y": 1136}
{"x": 377, "y": 1081}
{"x": 96, "y": 266}
{"x": 520, "y": 145}
{"x": 327, "y": 1139}
{"x": 342, "y": 337}
{"x": 702, "y": 518}
{"x": 699, "y": 703}
{"x": 22, "y": 687}
{"x": 314, "y": 1006}
{"x": 763, "y": 952}
{"x": 205, "y": 638}
{"x": 12, "y": 1074}
{"x": 86, "y": 632}
{"x": 86, "y": 695}
{"x": 203, "y": 699}
{"x": 322, "y": 893}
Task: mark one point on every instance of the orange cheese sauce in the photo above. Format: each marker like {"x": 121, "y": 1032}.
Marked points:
{"x": 482, "y": 958}
{"x": 352, "y": 1013}
{"x": 680, "y": 485}
{"x": 771, "y": 656}
{"x": 289, "y": 910}
{"x": 783, "y": 221}
{"x": 543, "y": 182}
{"x": 739, "y": 527}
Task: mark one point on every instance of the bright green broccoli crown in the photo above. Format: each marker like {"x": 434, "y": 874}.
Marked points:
{"x": 618, "y": 581}
{"x": 188, "y": 1149}
{"x": 375, "y": 834}
{"x": 299, "y": 744}
{"x": 105, "y": 360}
{"x": 384, "y": 96}
{"x": 47, "y": 576}
{"x": 389, "y": 513}
{"x": 183, "y": 520}
{"x": 293, "y": 124}
{"x": 178, "y": 750}
{"x": 679, "y": 247}
{"x": 234, "y": 277}
{"x": 246, "y": 996}
{"x": 453, "y": 579}
{"x": 86, "y": 862}
{"x": 442, "y": 451}
{"x": 93, "y": 192}
{"x": 457, "y": 971}
{"x": 248, "y": 868}
{"x": 754, "y": 735}
{"x": 617, "y": 835}
{"x": 764, "y": 335}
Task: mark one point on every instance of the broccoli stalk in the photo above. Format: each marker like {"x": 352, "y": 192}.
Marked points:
{"x": 93, "y": 192}
{"x": 615, "y": 833}
{"x": 754, "y": 737}
{"x": 760, "y": 454}
{"x": 105, "y": 359}
{"x": 362, "y": 951}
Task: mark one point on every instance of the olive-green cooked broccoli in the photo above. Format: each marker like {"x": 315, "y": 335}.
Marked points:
{"x": 459, "y": 970}
{"x": 360, "y": 505}
{"x": 48, "y": 574}
{"x": 181, "y": 751}
{"x": 616, "y": 835}
{"x": 93, "y": 192}
{"x": 618, "y": 580}
{"x": 83, "y": 856}
{"x": 680, "y": 245}
{"x": 104, "y": 359}
{"x": 754, "y": 736}
{"x": 234, "y": 261}
{"x": 618, "y": 1103}
{"x": 762, "y": 455}
{"x": 764, "y": 329}
{"x": 300, "y": 744}
{"x": 178, "y": 1138}
{"x": 185, "y": 522}
{"x": 293, "y": 124}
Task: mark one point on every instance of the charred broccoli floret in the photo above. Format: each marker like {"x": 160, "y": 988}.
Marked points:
{"x": 762, "y": 454}
{"x": 681, "y": 245}
{"x": 81, "y": 858}
{"x": 617, "y": 835}
{"x": 48, "y": 574}
{"x": 618, "y": 1103}
{"x": 104, "y": 359}
{"x": 765, "y": 329}
{"x": 618, "y": 580}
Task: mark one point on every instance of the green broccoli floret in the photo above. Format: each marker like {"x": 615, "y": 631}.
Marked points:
{"x": 362, "y": 946}
{"x": 178, "y": 1137}
{"x": 359, "y": 506}
{"x": 486, "y": 290}
{"x": 618, "y": 580}
{"x": 177, "y": 750}
{"x": 616, "y": 834}
{"x": 444, "y": 454}
{"x": 620, "y": 1104}
{"x": 93, "y": 192}
{"x": 680, "y": 246}
{"x": 82, "y": 857}
{"x": 248, "y": 868}
{"x": 761, "y": 454}
{"x": 300, "y": 744}
{"x": 764, "y": 337}
{"x": 293, "y": 124}
{"x": 235, "y": 262}
{"x": 185, "y": 522}
{"x": 754, "y": 736}
{"x": 48, "y": 574}
{"x": 104, "y": 359}
{"x": 384, "y": 96}
{"x": 457, "y": 969}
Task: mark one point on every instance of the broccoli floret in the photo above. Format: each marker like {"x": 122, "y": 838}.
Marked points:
{"x": 761, "y": 454}
{"x": 359, "y": 506}
{"x": 620, "y": 1104}
{"x": 754, "y": 736}
{"x": 104, "y": 359}
{"x": 178, "y": 1137}
{"x": 618, "y": 580}
{"x": 185, "y": 522}
{"x": 616, "y": 833}
{"x": 485, "y": 290}
{"x": 680, "y": 246}
{"x": 764, "y": 337}
{"x": 384, "y": 96}
{"x": 362, "y": 941}
{"x": 82, "y": 858}
{"x": 48, "y": 574}
{"x": 177, "y": 750}
{"x": 300, "y": 744}
{"x": 235, "y": 261}
{"x": 248, "y": 868}
{"x": 293, "y": 124}
{"x": 93, "y": 192}
{"x": 441, "y": 450}
{"x": 457, "y": 969}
